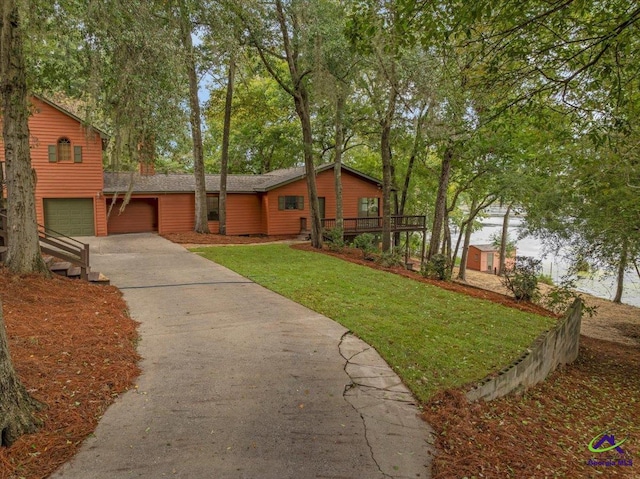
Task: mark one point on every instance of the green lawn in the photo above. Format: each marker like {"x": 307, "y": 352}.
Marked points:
{"x": 432, "y": 338}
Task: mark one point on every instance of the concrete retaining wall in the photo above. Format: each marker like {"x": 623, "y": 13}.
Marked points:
{"x": 550, "y": 349}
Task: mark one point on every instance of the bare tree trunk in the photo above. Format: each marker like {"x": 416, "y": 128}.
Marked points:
{"x": 337, "y": 168}
{"x": 621, "y": 268}
{"x": 16, "y": 406}
{"x": 440, "y": 209}
{"x": 224, "y": 159}
{"x": 387, "y": 177}
{"x": 201, "y": 222}
{"x": 503, "y": 241}
{"x": 23, "y": 254}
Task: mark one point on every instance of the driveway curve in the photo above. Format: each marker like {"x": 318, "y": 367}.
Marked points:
{"x": 239, "y": 382}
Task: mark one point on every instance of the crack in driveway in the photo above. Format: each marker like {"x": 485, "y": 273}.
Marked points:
{"x": 388, "y": 411}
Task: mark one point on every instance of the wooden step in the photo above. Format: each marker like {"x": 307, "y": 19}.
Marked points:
{"x": 61, "y": 267}
{"x": 96, "y": 277}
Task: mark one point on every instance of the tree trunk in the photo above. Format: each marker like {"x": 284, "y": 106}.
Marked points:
{"x": 337, "y": 168}
{"x": 16, "y": 407}
{"x": 302, "y": 109}
{"x": 462, "y": 271}
{"x": 387, "y": 176}
{"x": 503, "y": 241}
{"x": 23, "y": 254}
{"x": 201, "y": 221}
{"x": 440, "y": 208}
{"x": 621, "y": 268}
{"x": 301, "y": 101}
{"x": 224, "y": 159}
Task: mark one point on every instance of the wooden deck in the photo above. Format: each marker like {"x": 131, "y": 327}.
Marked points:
{"x": 374, "y": 224}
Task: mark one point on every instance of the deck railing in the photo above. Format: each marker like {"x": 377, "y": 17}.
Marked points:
{"x": 374, "y": 224}
{"x": 58, "y": 245}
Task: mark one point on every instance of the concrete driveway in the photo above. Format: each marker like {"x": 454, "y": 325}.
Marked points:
{"x": 239, "y": 382}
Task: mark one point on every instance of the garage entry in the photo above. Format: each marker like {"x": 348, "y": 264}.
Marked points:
{"x": 139, "y": 216}
{"x": 69, "y": 216}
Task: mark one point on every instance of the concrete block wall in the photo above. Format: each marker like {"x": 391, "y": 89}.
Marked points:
{"x": 548, "y": 351}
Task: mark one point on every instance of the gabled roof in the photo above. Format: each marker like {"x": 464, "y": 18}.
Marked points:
{"x": 185, "y": 183}
{"x": 102, "y": 133}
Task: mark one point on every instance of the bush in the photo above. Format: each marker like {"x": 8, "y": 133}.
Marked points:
{"x": 545, "y": 279}
{"x": 438, "y": 267}
{"x": 522, "y": 278}
{"x": 335, "y": 239}
{"x": 391, "y": 258}
{"x": 366, "y": 242}
{"x": 561, "y": 297}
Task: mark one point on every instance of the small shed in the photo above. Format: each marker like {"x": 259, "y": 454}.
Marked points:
{"x": 485, "y": 257}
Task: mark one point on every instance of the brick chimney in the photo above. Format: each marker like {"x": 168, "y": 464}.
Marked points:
{"x": 147, "y": 168}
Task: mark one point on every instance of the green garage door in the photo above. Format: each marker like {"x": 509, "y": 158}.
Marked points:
{"x": 69, "y": 216}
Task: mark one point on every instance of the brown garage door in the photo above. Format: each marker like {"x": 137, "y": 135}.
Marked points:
{"x": 139, "y": 216}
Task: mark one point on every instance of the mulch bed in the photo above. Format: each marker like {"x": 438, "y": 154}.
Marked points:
{"x": 194, "y": 238}
{"x": 545, "y": 432}
{"x": 73, "y": 347}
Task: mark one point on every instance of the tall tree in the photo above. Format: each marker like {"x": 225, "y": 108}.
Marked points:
{"x": 224, "y": 156}
{"x": 186, "y": 30}
{"x": 289, "y": 22}
{"x": 16, "y": 407}
{"x": 23, "y": 255}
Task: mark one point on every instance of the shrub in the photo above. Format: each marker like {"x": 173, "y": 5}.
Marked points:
{"x": 438, "y": 267}
{"x": 522, "y": 278}
{"x": 335, "y": 239}
{"x": 545, "y": 279}
{"x": 562, "y": 296}
{"x": 366, "y": 242}
{"x": 390, "y": 258}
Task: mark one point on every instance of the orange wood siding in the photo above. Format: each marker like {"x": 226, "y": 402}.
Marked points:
{"x": 65, "y": 179}
{"x": 244, "y": 215}
{"x": 176, "y": 213}
{"x": 139, "y": 216}
{"x": 474, "y": 258}
{"x": 287, "y": 222}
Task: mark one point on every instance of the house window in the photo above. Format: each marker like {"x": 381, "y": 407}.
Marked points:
{"x": 290, "y": 202}
{"x": 64, "y": 149}
{"x": 213, "y": 208}
{"x": 368, "y": 207}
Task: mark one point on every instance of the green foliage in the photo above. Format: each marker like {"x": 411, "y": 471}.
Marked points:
{"x": 391, "y": 258}
{"x": 335, "y": 239}
{"x": 433, "y": 338}
{"x": 366, "y": 242}
{"x": 496, "y": 240}
{"x": 562, "y": 296}
{"x": 522, "y": 278}
{"x": 438, "y": 267}
{"x": 545, "y": 279}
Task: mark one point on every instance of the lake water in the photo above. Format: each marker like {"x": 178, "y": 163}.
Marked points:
{"x": 600, "y": 284}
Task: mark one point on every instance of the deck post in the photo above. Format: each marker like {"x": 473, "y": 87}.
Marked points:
{"x": 424, "y": 246}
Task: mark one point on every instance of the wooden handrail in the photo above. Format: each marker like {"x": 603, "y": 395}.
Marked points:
{"x": 374, "y": 223}
{"x": 57, "y": 244}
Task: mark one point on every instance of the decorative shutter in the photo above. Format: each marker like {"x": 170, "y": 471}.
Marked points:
{"x": 300, "y": 203}
{"x": 281, "y": 202}
{"x": 53, "y": 154}
{"x": 77, "y": 154}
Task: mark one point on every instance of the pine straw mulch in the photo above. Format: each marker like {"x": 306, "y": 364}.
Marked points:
{"x": 193, "y": 238}
{"x": 545, "y": 431}
{"x": 73, "y": 347}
